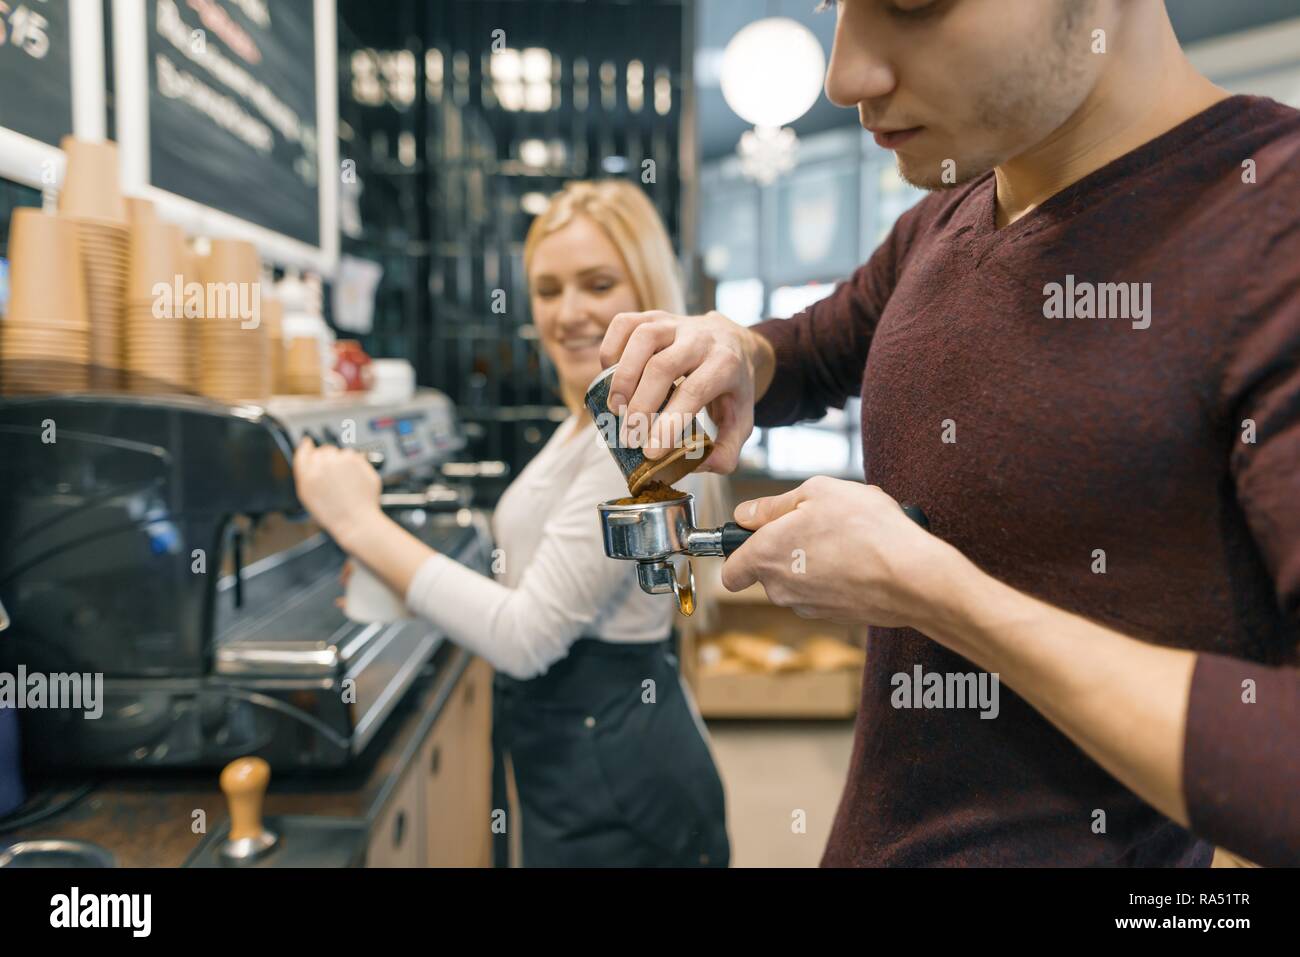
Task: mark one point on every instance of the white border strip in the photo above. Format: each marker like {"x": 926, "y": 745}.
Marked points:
{"x": 131, "y": 69}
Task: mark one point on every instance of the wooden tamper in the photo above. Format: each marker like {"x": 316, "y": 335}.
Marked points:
{"x": 244, "y": 782}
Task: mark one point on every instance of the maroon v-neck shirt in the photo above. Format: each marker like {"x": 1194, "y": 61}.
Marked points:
{"x": 1098, "y": 463}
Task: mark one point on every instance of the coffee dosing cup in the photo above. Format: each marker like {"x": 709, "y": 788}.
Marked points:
{"x": 367, "y": 600}
{"x": 693, "y": 448}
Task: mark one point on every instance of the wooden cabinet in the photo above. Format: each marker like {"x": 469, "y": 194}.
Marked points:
{"x": 441, "y": 813}
{"x": 396, "y": 839}
{"x": 457, "y": 763}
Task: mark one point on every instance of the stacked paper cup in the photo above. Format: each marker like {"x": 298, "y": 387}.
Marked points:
{"x": 302, "y": 366}
{"x": 233, "y": 361}
{"x": 44, "y": 339}
{"x": 193, "y": 322}
{"x": 92, "y": 199}
{"x": 157, "y": 340}
{"x": 273, "y": 319}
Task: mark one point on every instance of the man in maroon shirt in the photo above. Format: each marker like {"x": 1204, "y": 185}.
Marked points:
{"x": 1081, "y": 357}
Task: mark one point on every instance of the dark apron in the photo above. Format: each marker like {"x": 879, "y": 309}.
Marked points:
{"x": 605, "y": 778}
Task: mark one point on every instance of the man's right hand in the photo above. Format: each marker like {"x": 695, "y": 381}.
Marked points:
{"x": 727, "y": 368}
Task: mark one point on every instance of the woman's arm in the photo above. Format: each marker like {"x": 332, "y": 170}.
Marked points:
{"x": 341, "y": 491}
{"x": 521, "y": 631}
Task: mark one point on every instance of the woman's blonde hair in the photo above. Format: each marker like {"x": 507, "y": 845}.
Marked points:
{"x": 632, "y": 224}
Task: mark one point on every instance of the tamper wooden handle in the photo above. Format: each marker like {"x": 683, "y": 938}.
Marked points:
{"x": 244, "y": 782}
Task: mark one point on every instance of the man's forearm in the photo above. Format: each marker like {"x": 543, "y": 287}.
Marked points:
{"x": 1122, "y": 701}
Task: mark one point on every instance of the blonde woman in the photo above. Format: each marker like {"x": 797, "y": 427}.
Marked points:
{"x": 609, "y": 759}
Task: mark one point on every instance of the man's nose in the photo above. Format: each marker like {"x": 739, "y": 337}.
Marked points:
{"x": 859, "y": 70}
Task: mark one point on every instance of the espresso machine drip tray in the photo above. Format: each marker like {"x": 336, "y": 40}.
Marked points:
{"x": 323, "y": 683}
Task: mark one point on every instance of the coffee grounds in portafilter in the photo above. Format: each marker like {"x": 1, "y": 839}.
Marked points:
{"x": 652, "y": 492}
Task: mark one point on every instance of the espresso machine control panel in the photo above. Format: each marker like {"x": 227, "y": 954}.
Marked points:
{"x": 402, "y": 438}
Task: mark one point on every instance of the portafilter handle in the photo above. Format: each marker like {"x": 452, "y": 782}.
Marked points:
{"x": 725, "y": 540}
{"x": 717, "y": 541}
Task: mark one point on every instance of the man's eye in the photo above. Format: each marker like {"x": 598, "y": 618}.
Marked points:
{"x": 825, "y": 5}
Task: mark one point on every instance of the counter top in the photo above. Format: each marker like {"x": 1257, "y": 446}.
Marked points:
{"x": 146, "y": 819}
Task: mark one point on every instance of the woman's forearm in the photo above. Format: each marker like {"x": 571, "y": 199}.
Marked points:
{"x": 1122, "y": 701}
{"x": 392, "y": 553}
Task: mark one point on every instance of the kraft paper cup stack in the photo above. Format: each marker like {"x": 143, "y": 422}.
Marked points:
{"x": 139, "y": 210}
{"x": 193, "y": 323}
{"x": 273, "y": 319}
{"x": 92, "y": 198}
{"x": 233, "y": 361}
{"x": 44, "y": 339}
{"x": 302, "y": 366}
{"x": 157, "y": 341}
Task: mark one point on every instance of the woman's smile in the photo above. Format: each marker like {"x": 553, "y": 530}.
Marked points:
{"x": 581, "y": 343}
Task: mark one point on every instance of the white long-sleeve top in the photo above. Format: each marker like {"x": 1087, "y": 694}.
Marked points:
{"x": 553, "y": 582}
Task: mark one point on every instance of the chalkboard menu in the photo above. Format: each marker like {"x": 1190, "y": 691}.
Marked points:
{"x": 232, "y": 109}
{"x": 36, "y": 69}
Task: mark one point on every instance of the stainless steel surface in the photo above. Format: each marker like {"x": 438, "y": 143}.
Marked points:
{"x": 401, "y": 438}
{"x": 660, "y": 578}
{"x": 304, "y": 841}
{"x": 4, "y": 617}
{"x": 248, "y": 848}
{"x": 288, "y": 638}
{"x": 650, "y": 532}
{"x": 485, "y": 469}
{"x": 56, "y": 853}
{"x": 435, "y": 496}
{"x": 705, "y": 542}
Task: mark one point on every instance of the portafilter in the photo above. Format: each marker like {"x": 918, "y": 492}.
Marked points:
{"x": 652, "y": 533}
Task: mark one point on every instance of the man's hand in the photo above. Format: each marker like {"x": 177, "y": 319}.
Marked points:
{"x": 726, "y": 368}
{"x": 842, "y": 551}
{"x": 338, "y": 487}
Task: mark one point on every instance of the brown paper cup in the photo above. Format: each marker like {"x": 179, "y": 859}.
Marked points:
{"x": 157, "y": 257}
{"x": 46, "y": 278}
{"x": 91, "y": 187}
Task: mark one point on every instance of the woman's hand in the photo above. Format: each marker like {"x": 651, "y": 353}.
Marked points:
{"x": 727, "y": 367}
{"x": 338, "y": 487}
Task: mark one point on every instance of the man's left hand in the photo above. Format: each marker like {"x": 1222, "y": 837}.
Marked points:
{"x": 841, "y": 551}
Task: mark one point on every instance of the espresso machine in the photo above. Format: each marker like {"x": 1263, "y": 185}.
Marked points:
{"x": 158, "y": 542}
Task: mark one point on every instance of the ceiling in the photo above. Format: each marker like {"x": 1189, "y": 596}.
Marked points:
{"x": 717, "y": 21}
